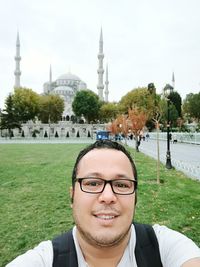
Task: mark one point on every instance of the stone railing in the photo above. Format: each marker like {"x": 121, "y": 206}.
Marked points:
{"x": 191, "y": 138}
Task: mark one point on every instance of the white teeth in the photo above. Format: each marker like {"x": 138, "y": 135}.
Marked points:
{"x": 106, "y": 217}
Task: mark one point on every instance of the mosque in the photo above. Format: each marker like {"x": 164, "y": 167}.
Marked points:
{"x": 68, "y": 84}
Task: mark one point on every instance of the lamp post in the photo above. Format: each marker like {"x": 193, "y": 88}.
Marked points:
{"x": 167, "y": 89}
{"x": 0, "y": 123}
{"x": 49, "y": 121}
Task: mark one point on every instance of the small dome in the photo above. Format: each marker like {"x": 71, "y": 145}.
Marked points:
{"x": 69, "y": 76}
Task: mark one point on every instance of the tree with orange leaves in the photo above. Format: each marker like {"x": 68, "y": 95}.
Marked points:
{"x": 119, "y": 126}
{"x": 123, "y": 127}
{"x": 112, "y": 127}
{"x": 137, "y": 120}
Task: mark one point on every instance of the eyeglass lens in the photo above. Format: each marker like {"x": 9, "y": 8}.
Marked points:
{"x": 97, "y": 185}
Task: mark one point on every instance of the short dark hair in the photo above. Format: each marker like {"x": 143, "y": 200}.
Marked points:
{"x": 99, "y": 145}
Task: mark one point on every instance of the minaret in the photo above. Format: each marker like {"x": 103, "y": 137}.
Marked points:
{"x": 106, "y": 85}
{"x": 17, "y": 59}
{"x": 173, "y": 81}
{"x": 100, "y": 70}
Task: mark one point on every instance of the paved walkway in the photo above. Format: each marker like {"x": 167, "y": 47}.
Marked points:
{"x": 184, "y": 157}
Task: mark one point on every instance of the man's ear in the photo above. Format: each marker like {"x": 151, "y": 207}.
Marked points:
{"x": 71, "y": 191}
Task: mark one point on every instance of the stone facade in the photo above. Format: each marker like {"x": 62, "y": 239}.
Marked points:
{"x": 62, "y": 129}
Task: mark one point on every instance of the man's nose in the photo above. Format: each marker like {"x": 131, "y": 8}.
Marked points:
{"x": 107, "y": 195}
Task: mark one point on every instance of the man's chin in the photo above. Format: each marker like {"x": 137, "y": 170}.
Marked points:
{"x": 104, "y": 237}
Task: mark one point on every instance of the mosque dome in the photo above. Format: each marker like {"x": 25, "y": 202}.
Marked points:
{"x": 66, "y": 86}
{"x": 69, "y": 76}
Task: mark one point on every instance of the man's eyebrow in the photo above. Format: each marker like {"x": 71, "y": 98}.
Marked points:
{"x": 93, "y": 174}
{"x": 100, "y": 175}
{"x": 124, "y": 176}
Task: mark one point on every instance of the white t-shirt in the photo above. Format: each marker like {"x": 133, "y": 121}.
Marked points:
{"x": 175, "y": 249}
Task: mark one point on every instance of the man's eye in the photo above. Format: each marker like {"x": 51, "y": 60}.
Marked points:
{"x": 121, "y": 185}
{"x": 92, "y": 183}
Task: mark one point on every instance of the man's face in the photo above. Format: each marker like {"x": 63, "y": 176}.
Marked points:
{"x": 103, "y": 219}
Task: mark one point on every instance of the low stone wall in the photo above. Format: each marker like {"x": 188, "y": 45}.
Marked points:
{"x": 62, "y": 129}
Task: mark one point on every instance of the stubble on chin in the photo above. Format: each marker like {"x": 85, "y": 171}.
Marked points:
{"x": 102, "y": 241}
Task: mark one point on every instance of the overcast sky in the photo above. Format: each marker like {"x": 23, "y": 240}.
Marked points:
{"x": 144, "y": 41}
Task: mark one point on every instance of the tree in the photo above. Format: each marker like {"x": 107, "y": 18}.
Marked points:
{"x": 191, "y": 106}
{"x": 51, "y": 108}
{"x": 108, "y": 112}
{"x": 137, "y": 120}
{"x": 86, "y": 103}
{"x": 176, "y": 100}
{"x": 154, "y": 108}
{"x": 9, "y": 120}
{"x": 26, "y": 104}
{"x": 173, "y": 113}
{"x": 123, "y": 125}
{"x": 113, "y": 127}
{"x": 145, "y": 100}
{"x": 156, "y": 112}
{"x": 119, "y": 126}
{"x": 137, "y": 98}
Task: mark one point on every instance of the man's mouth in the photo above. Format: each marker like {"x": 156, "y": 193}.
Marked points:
{"x": 105, "y": 217}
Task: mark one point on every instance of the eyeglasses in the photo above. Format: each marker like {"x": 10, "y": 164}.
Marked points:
{"x": 97, "y": 185}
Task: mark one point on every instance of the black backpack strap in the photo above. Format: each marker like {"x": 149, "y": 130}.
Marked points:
{"x": 147, "y": 249}
{"x": 64, "y": 251}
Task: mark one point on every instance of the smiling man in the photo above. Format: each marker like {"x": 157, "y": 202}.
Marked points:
{"x": 103, "y": 205}
{"x": 104, "y": 187}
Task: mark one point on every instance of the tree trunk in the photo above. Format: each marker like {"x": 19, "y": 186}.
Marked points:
{"x": 158, "y": 153}
{"x": 10, "y": 133}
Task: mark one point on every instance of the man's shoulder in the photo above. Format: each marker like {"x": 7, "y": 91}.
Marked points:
{"x": 40, "y": 256}
{"x": 175, "y": 248}
{"x": 167, "y": 236}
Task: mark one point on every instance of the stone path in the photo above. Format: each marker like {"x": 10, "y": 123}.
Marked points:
{"x": 184, "y": 157}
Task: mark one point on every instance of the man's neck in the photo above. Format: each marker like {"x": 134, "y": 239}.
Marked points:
{"x": 97, "y": 256}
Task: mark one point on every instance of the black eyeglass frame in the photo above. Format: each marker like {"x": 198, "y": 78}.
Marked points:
{"x": 79, "y": 180}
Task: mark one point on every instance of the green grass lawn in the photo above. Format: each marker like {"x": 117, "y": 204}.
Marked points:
{"x": 35, "y": 203}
